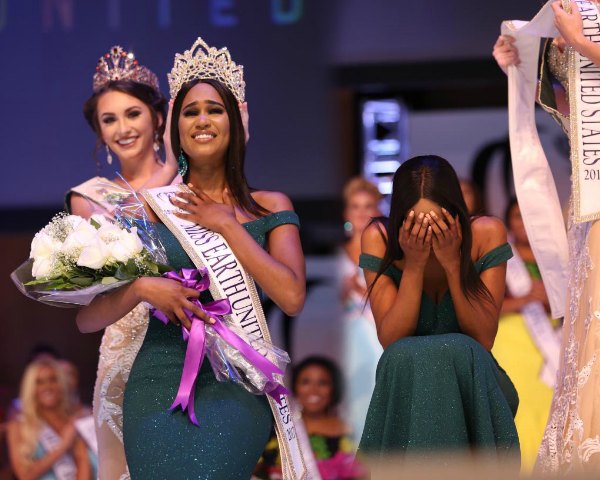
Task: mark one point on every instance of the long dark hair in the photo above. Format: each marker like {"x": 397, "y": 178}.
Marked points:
{"x": 155, "y": 101}
{"x": 236, "y": 153}
{"x": 433, "y": 178}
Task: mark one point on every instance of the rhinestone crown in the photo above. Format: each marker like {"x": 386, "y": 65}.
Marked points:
{"x": 204, "y": 62}
{"x": 118, "y": 64}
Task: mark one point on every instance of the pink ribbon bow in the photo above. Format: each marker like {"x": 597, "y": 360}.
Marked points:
{"x": 199, "y": 280}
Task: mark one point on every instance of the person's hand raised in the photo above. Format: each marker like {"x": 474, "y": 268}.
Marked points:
{"x": 414, "y": 238}
{"x": 447, "y": 238}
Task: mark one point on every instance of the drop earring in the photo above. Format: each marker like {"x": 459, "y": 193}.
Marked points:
{"x": 156, "y": 145}
{"x": 109, "y": 158}
{"x": 182, "y": 164}
{"x": 348, "y": 228}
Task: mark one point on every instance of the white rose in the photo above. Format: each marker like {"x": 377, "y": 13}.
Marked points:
{"x": 94, "y": 255}
{"x": 132, "y": 240}
{"x": 42, "y": 268}
{"x": 109, "y": 232}
{"x": 119, "y": 252}
{"x": 81, "y": 236}
{"x": 43, "y": 246}
{"x": 86, "y": 227}
{"x": 127, "y": 246}
{"x": 74, "y": 220}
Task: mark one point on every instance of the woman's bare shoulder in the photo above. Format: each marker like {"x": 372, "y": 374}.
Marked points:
{"x": 273, "y": 201}
{"x": 373, "y": 240}
{"x": 488, "y": 233}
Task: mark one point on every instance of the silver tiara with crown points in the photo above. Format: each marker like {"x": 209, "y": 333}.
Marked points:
{"x": 118, "y": 64}
{"x": 204, "y": 62}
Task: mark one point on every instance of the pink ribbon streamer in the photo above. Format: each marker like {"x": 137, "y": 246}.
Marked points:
{"x": 199, "y": 280}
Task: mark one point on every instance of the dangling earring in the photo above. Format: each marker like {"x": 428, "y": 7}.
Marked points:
{"x": 182, "y": 164}
{"x": 156, "y": 145}
{"x": 348, "y": 227}
{"x": 109, "y": 158}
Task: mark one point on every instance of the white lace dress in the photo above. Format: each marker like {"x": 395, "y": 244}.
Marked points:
{"x": 120, "y": 344}
{"x": 571, "y": 441}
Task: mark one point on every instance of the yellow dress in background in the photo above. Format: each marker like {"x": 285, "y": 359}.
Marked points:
{"x": 515, "y": 350}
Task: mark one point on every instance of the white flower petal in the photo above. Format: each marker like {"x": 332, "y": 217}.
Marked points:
{"x": 44, "y": 246}
{"x": 94, "y": 255}
{"x": 42, "y": 268}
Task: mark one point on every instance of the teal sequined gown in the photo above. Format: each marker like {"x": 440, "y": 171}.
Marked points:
{"x": 440, "y": 389}
{"x": 234, "y": 424}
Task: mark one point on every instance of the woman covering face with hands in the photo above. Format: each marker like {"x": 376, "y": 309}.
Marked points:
{"x": 425, "y": 233}
{"x": 436, "y": 283}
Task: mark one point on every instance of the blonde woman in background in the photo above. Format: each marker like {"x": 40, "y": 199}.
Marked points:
{"x": 361, "y": 346}
{"x": 42, "y": 440}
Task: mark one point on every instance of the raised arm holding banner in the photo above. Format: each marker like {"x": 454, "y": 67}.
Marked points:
{"x": 572, "y": 439}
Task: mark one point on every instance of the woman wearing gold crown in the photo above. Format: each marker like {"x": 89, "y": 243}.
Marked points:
{"x": 256, "y": 235}
{"x": 127, "y": 112}
{"x": 564, "y": 84}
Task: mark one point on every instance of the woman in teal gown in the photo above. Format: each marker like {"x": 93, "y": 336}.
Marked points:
{"x": 260, "y": 227}
{"x": 436, "y": 282}
{"x": 234, "y": 424}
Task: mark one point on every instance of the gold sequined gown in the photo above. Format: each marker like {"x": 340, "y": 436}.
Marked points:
{"x": 571, "y": 442}
{"x": 120, "y": 344}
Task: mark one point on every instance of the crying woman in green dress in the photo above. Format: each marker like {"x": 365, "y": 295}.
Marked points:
{"x": 436, "y": 283}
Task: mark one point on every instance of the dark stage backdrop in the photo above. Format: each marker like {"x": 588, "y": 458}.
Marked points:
{"x": 395, "y": 31}
{"x": 49, "y": 49}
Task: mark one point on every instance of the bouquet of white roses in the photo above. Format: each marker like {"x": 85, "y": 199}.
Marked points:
{"x": 73, "y": 259}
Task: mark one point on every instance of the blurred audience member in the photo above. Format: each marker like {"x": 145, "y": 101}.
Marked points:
{"x": 473, "y": 197}
{"x": 317, "y": 386}
{"x": 72, "y": 376}
{"x": 43, "y": 441}
{"x": 40, "y": 351}
{"x": 361, "y": 346}
{"x": 527, "y": 344}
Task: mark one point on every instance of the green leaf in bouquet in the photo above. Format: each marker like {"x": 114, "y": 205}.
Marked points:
{"x": 38, "y": 282}
{"x": 82, "y": 281}
{"x": 163, "y": 268}
{"x": 125, "y": 272}
{"x": 94, "y": 224}
{"x": 132, "y": 268}
{"x": 109, "y": 280}
{"x": 54, "y": 284}
{"x": 86, "y": 272}
{"x": 64, "y": 286}
{"x": 150, "y": 269}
